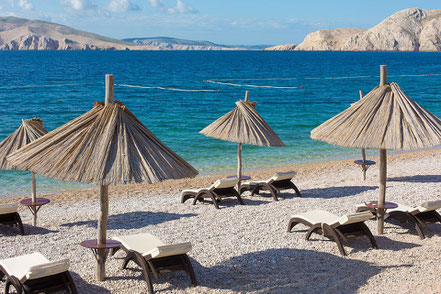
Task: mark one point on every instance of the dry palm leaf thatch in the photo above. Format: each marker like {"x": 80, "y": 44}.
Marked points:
{"x": 243, "y": 125}
{"x": 30, "y": 130}
{"x": 107, "y": 145}
{"x": 385, "y": 118}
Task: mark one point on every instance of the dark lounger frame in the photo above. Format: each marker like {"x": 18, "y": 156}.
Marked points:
{"x": 274, "y": 188}
{"x": 214, "y": 195}
{"x": 337, "y": 232}
{"x": 49, "y": 284}
{"x": 156, "y": 266}
{"x": 11, "y": 219}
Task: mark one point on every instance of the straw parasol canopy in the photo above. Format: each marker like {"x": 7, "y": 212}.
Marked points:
{"x": 29, "y": 131}
{"x": 243, "y": 125}
{"x": 385, "y": 118}
{"x": 107, "y": 145}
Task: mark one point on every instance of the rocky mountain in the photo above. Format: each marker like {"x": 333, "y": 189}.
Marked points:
{"x": 182, "y": 44}
{"x": 287, "y": 47}
{"x": 411, "y": 29}
{"x": 24, "y": 34}
{"x": 327, "y": 40}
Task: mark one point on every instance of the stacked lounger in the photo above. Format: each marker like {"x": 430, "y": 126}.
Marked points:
{"x": 278, "y": 182}
{"x": 220, "y": 189}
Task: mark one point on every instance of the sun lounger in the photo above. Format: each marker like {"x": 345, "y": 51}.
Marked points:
{"x": 155, "y": 257}
{"x": 9, "y": 216}
{"x": 338, "y": 228}
{"x": 220, "y": 189}
{"x": 418, "y": 217}
{"x": 34, "y": 273}
{"x": 280, "y": 181}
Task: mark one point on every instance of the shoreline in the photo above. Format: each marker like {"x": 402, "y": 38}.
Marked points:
{"x": 200, "y": 181}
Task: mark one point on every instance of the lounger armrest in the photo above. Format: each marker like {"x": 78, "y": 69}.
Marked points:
{"x": 169, "y": 250}
{"x": 8, "y": 208}
{"x": 46, "y": 269}
{"x": 355, "y": 218}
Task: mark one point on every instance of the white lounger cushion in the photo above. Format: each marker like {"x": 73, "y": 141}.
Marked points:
{"x": 147, "y": 244}
{"x": 219, "y": 184}
{"x": 33, "y": 266}
{"x": 325, "y": 217}
{"x": 225, "y": 183}
{"x": 8, "y": 208}
{"x": 426, "y": 206}
{"x": 277, "y": 177}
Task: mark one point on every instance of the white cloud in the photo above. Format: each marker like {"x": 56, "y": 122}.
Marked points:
{"x": 181, "y": 8}
{"x": 78, "y": 5}
{"x": 25, "y": 4}
{"x": 156, "y": 3}
{"x": 122, "y": 6}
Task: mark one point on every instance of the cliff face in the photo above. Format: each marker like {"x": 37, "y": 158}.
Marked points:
{"x": 23, "y": 34}
{"x": 411, "y": 29}
{"x": 327, "y": 40}
{"x": 407, "y": 30}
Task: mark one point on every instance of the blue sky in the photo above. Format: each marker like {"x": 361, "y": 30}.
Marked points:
{"x": 221, "y": 21}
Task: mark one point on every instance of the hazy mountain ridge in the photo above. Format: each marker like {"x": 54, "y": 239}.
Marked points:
{"x": 182, "y": 44}
{"x": 24, "y": 34}
{"x": 411, "y": 29}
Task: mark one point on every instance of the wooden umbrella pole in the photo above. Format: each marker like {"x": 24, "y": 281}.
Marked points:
{"x": 104, "y": 202}
{"x": 34, "y": 196}
{"x": 363, "y": 152}
{"x": 239, "y": 165}
{"x": 382, "y": 191}
{"x": 383, "y": 169}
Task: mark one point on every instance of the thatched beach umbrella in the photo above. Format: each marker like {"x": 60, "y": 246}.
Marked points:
{"x": 385, "y": 118}
{"x": 29, "y": 130}
{"x": 105, "y": 146}
{"x": 243, "y": 125}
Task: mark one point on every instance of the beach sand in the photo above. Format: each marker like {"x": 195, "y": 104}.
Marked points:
{"x": 246, "y": 249}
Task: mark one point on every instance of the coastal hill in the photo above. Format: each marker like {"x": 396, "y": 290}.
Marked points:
{"x": 411, "y": 29}
{"x": 24, "y": 34}
{"x": 287, "y": 47}
{"x": 182, "y": 44}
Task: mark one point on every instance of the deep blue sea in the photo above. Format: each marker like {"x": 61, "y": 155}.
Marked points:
{"x": 59, "y": 86}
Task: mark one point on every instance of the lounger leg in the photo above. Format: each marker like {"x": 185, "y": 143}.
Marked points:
{"x": 296, "y": 189}
{"x": 272, "y": 190}
{"x": 71, "y": 284}
{"x": 130, "y": 256}
{"x": 334, "y": 236}
{"x": 255, "y": 190}
{"x": 313, "y": 229}
{"x": 185, "y": 197}
{"x": 416, "y": 223}
{"x": 292, "y": 223}
{"x": 19, "y": 223}
{"x": 437, "y": 215}
{"x": 17, "y": 286}
{"x": 142, "y": 262}
{"x": 369, "y": 235}
{"x": 213, "y": 198}
{"x": 190, "y": 269}
{"x": 238, "y": 197}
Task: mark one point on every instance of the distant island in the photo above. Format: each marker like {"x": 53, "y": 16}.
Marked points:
{"x": 411, "y": 29}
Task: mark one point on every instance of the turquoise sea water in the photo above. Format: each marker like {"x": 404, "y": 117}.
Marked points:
{"x": 59, "y": 86}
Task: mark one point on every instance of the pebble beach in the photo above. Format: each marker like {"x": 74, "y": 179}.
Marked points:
{"x": 247, "y": 249}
